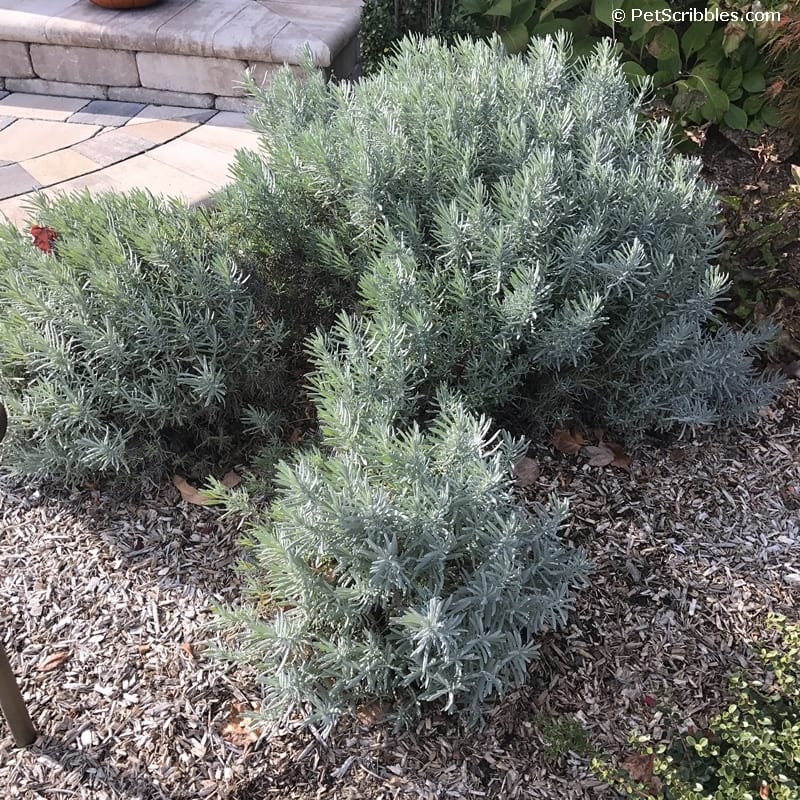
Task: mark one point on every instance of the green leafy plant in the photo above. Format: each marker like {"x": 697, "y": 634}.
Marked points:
{"x": 518, "y": 216}
{"x": 750, "y": 751}
{"x": 126, "y": 339}
{"x": 385, "y": 22}
{"x": 516, "y": 21}
{"x": 708, "y": 70}
{"x": 562, "y": 734}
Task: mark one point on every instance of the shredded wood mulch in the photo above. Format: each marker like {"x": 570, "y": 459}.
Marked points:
{"x": 106, "y": 604}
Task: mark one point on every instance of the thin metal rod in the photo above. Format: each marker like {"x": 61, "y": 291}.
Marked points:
{"x": 11, "y": 702}
{"x": 13, "y": 705}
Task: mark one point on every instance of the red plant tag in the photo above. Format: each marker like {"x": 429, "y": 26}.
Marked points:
{"x": 43, "y": 238}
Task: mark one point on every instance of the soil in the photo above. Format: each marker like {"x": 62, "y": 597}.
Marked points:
{"x": 760, "y": 197}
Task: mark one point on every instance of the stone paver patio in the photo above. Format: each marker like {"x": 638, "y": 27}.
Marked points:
{"x": 151, "y": 97}
{"x": 62, "y": 144}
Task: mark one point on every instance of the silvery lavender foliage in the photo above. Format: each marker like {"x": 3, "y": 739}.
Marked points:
{"x": 506, "y": 225}
{"x": 522, "y": 210}
{"x": 133, "y": 325}
{"x": 400, "y": 564}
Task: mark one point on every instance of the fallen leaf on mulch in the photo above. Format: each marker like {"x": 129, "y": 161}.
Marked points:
{"x": 237, "y": 730}
{"x": 188, "y": 492}
{"x": 53, "y": 661}
{"x": 526, "y": 472}
{"x": 621, "y": 458}
{"x": 640, "y": 768}
{"x": 188, "y": 649}
{"x": 231, "y": 479}
{"x": 608, "y": 454}
{"x": 600, "y": 456}
{"x": 567, "y": 442}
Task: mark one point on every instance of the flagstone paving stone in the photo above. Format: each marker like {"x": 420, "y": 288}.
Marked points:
{"x": 61, "y": 166}
{"x": 144, "y": 171}
{"x": 202, "y": 162}
{"x": 153, "y": 113}
{"x": 14, "y": 180}
{"x": 107, "y": 112}
{"x": 14, "y": 209}
{"x": 159, "y": 131}
{"x": 112, "y": 146}
{"x": 96, "y": 182}
{"x": 28, "y": 138}
{"x": 63, "y": 144}
{"x": 40, "y": 106}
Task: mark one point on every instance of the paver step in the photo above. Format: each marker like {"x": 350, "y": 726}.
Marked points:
{"x": 179, "y": 52}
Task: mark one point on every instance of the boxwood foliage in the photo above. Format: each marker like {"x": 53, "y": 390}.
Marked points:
{"x": 523, "y": 213}
{"x": 132, "y": 340}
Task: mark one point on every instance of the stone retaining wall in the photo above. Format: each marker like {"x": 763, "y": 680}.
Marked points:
{"x": 164, "y": 78}
{"x": 179, "y": 52}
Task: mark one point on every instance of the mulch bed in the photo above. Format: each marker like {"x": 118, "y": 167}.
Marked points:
{"x": 692, "y": 549}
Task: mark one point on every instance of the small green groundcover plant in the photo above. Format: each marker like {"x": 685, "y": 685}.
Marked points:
{"x": 518, "y": 215}
{"x": 751, "y": 751}
{"x": 124, "y": 336}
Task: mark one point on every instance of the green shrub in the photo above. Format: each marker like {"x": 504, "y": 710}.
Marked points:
{"x": 405, "y": 569}
{"x": 131, "y": 339}
{"x": 385, "y": 22}
{"x": 518, "y": 215}
{"x": 750, "y": 751}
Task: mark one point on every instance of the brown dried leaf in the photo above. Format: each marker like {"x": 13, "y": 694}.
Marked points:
{"x": 621, "y": 458}
{"x": 188, "y": 649}
{"x": 600, "y": 456}
{"x": 640, "y": 768}
{"x": 526, "y": 472}
{"x": 231, "y": 479}
{"x": 237, "y": 730}
{"x": 53, "y": 661}
{"x": 567, "y": 442}
{"x": 188, "y": 492}
{"x": 696, "y": 134}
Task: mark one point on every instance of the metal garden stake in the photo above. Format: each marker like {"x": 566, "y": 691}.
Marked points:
{"x": 11, "y": 702}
